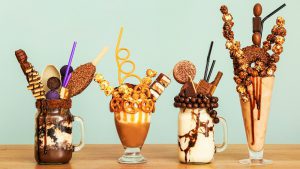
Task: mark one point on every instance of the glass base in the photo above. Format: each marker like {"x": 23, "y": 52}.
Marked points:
{"x": 255, "y": 162}
{"x": 132, "y": 156}
{"x": 255, "y": 158}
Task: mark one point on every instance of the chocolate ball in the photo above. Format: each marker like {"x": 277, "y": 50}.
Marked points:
{"x": 256, "y": 38}
{"x": 208, "y": 105}
{"x": 257, "y": 9}
{"x": 214, "y": 105}
{"x": 216, "y": 120}
{"x": 187, "y": 100}
{"x": 53, "y": 83}
{"x": 214, "y": 99}
{"x": 181, "y": 94}
{"x": 213, "y": 113}
{"x": 52, "y": 95}
{"x": 176, "y": 99}
{"x": 181, "y": 99}
{"x": 202, "y": 105}
{"x": 175, "y": 104}
{"x": 193, "y": 100}
{"x": 195, "y": 105}
{"x": 205, "y": 100}
{"x": 183, "y": 105}
{"x": 199, "y": 101}
{"x": 63, "y": 70}
{"x": 179, "y": 104}
{"x": 189, "y": 106}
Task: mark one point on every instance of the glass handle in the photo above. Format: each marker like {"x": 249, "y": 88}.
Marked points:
{"x": 225, "y": 142}
{"x": 81, "y": 143}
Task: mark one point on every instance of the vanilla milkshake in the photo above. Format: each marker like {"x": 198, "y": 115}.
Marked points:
{"x": 195, "y": 136}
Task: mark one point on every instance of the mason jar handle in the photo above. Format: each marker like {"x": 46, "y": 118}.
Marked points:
{"x": 225, "y": 142}
{"x": 79, "y": 146}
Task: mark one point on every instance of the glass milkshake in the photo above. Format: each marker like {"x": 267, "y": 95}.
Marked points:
{"x": 254, "y": 69}
{"x": 197, "y": 116}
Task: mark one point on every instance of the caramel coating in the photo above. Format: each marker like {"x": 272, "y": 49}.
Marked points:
{"x": 257, "y": 9}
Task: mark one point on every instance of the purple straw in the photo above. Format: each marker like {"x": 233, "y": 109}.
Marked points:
{"x": 69, "y": 64}
{"x": 68, "y": 79}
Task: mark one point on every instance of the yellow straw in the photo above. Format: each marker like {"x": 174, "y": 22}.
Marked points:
{"x": 123, "y": 60}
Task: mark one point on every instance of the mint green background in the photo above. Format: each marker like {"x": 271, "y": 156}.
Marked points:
{"x": 158, "y": 34}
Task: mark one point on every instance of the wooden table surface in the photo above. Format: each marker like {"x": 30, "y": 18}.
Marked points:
{"x": 158, "y": 156}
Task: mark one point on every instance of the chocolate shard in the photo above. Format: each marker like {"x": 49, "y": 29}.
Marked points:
{"x": 203, "y": 87}
{"x": 190, "y": 89}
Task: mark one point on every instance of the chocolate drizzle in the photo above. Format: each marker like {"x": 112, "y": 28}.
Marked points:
{"x": 255, "y": 101}
{"x": 192, "y": 135}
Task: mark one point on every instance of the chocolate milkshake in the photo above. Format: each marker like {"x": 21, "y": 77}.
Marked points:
{"x": 53, "y": 137}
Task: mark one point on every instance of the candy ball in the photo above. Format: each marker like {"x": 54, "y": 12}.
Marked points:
{"x": 63, "y": 70}
{"x": 52, "y": 95}
{"x": 53, "y": 83}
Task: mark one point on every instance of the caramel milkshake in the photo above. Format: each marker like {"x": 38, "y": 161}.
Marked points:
{"x": 256, "y": 116}
{"x": 132, "y": 128}
{"x": 254, "y": 73}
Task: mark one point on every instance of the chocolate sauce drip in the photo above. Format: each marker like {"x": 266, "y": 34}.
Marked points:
{"x": 192, "y": 135}
{"x": 255, "y": 101}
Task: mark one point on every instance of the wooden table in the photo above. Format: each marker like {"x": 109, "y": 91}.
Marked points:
{"x": 158, "y": 156}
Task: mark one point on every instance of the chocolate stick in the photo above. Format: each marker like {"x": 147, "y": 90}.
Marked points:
{"x": 208, "y": 58}
{"x": 216, "y": 82}
{"x": 272, "y": 13}
{"x": 211, "y": 69}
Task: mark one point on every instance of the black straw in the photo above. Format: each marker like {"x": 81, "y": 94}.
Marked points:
{"x": 272, "y": 13}
{"x": 208, "y": 58}
{"x": 211, "y": 69}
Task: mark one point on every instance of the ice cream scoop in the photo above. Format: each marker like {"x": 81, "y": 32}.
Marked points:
{"x": 83, "y": 75}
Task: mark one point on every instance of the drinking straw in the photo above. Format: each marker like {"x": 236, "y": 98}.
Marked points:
{"x": 70, "y": 62}
{"x": 272, "y": 13}
{"x": 211, "y": 69}
{"x": 68, "y": 79}
{"x": 208, "y": 58}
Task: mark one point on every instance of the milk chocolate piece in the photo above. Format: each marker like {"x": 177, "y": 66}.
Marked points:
{"x": 190, "y": 89}
{"x": 182, "y": 70}
{"x": 256, "y": 22}
{"x": 204, "y": 87}
{"x": 163, "y": 79}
